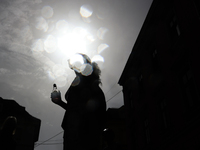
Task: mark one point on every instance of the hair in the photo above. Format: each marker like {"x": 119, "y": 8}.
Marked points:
{"x": 96, "y": 72}
{"x": 95, "y": 76}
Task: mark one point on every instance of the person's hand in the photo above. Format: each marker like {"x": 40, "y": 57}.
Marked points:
{"x": 56, "y": 97}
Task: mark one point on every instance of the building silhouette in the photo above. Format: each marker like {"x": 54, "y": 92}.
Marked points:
{"x": 161, "y": 79}
{"x": 28, "y": 127}
{"x": 115, "y": 120}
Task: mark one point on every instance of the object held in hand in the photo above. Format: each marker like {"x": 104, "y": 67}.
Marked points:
{"x": 55, "y": 95}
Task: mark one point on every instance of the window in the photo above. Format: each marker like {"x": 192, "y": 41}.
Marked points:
{"x": 174, "y": 29}
{"x": 147, "y": 130}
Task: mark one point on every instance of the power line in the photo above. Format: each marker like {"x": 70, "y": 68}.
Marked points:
{"x": 51, "y": 143}
{"x": 49, "y": 139}
{"x": 110, "y": 88}
{"x": 113, "y": 96}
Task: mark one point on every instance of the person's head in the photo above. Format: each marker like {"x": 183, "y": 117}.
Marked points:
{"x": 83, "y": 67}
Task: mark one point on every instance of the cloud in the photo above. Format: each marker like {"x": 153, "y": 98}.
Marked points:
{"x": 4, "y": 71}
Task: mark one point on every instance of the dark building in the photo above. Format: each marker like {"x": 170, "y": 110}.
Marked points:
{"x": 161, "y": 79}
{"x": 116, "y": 122}
{"x": 28, "y": 127}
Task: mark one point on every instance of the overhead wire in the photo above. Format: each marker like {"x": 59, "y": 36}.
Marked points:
{"x": 52, "y": 143}
{"x": 110, "y": 88}
{"x": 113, "y": 96}
{"x": 48, "y": 139}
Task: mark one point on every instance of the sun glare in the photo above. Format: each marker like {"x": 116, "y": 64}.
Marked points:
{"x": 74, "y": 42}
{"x": 86, "y": 11}
{"x": 63, "y": 40}
{"x": 76, "y": 61}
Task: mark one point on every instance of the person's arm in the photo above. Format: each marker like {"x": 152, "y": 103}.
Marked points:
{"x": 56, "y": 99}
{"x": 63, "y": 105}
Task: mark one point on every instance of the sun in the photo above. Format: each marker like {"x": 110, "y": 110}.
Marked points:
{"x": 73, "y": 42}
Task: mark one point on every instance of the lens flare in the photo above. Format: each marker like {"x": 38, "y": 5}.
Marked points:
{"x": 73, "y": 42}
{"x": 76, "y": 61}
{"x": 70, "y": 44}
{"x": 79, "y": 31}
{"x": 90, "y": 37}
{"x": 87, "y": 20}
{"x": 61, "y": 81}
{"x": 99, "y": 60}
{"x": 62, "y": 26}
{"x": 86, "y": 69}
{"x": 38, "y": 46}
{"x": 41, "y": 24}
{"x": 65, "y": 62}
{"x": 51, "y": 75}
{"x": 47, "y": 12}
{"x": 103, "y": 10}
{"x": 51, "y": 27}
{"x": 58, "y": 70}
{"x": 86, "y": 11}
{"x": 102, "y": 47}
{"x": 50, "y": 44}
{"x": 26, "y": 34}
{"x": 101, "y": 33}
{"x": 66, "y": 44}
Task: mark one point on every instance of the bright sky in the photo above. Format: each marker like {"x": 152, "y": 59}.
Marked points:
{"x": 37, "y": 37}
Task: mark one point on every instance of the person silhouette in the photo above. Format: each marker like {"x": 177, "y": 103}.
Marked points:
{"x": 7, "y": 132}
{"x": 85, "y": 108}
